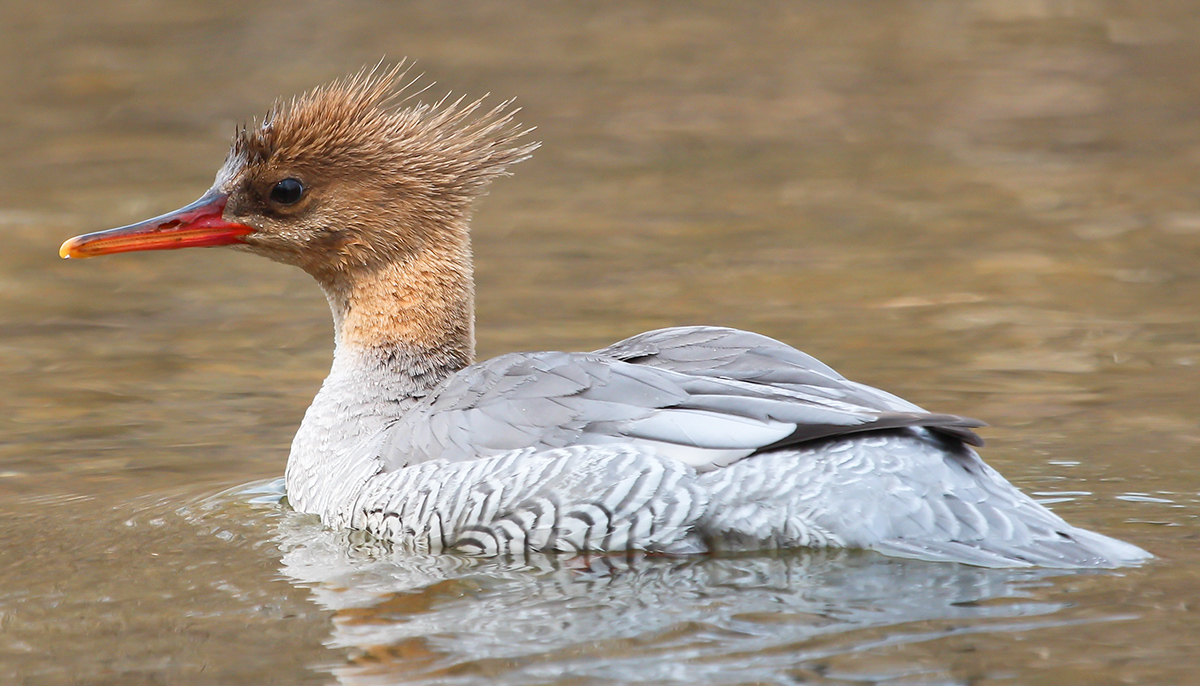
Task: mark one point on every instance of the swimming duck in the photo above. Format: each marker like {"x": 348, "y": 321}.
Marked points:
{"x": 676, "y": 441}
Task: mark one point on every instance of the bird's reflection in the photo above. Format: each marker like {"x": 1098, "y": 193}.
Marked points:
{"x": 454, "y": 620}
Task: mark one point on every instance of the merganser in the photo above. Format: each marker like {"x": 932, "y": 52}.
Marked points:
{"x": 676, "y": 441}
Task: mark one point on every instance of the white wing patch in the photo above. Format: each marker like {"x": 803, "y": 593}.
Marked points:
{"x": 708, "y": 429}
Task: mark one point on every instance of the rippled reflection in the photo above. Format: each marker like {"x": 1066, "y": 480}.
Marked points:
{"x": 451, "y": 620}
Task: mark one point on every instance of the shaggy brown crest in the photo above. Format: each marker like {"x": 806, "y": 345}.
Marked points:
{"x": 444, "y": 148}
{"x": 381, "y": 180}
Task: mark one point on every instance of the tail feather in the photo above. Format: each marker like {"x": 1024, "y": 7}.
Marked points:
{"x": 1077, "y": 548}
{"x": 908, "y": 493}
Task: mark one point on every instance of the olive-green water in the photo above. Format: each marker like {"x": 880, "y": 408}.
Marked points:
{"x": 989, "y": 207}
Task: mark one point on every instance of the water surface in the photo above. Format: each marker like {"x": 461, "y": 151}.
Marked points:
{"x": 988, "y": 207}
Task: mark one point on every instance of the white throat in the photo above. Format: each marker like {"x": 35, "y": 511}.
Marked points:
{"x": 399, "y": 332}
{"x": 332, "y": 455}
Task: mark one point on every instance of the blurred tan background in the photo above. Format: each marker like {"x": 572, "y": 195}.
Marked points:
{"x": 987, "y": 207}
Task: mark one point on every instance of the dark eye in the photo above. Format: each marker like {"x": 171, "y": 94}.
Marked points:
{"x": 287, "y": 192}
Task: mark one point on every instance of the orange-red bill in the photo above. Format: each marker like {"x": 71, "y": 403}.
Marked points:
{"x": 199, "y": 225}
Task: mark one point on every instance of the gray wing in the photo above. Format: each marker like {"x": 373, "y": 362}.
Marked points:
{"x": 745, "y": 356}
{"x": 702, "y": 395}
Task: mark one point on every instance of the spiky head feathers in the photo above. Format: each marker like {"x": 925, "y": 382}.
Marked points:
{"x": 347, "y": 174}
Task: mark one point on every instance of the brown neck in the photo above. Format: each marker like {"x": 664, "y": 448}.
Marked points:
{"x": 418, "y": 311}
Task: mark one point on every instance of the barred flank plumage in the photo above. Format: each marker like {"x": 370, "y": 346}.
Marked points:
{"x": 568, "y": 500}
{"x": 900, "y": 493}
